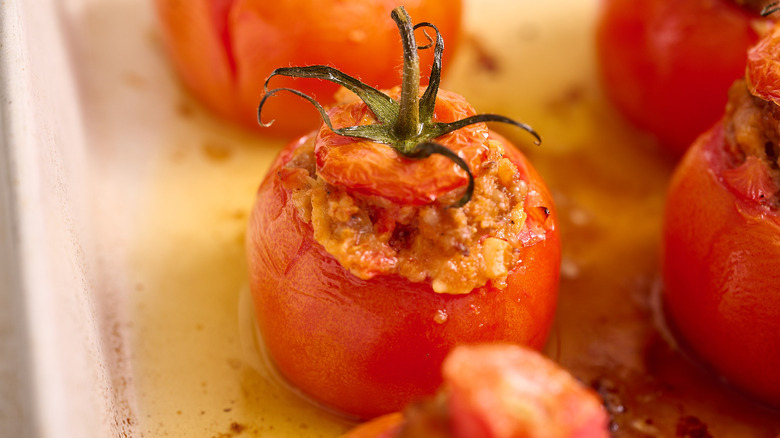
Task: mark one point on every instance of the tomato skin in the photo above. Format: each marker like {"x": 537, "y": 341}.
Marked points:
{"x": 223, "y": 50}
{"x": 368, "y": 347}
{"x": 720, "y": 266}
{"x": 667, "y": 64}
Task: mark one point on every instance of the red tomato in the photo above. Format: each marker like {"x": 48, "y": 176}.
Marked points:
{"x": 722, "y": 265}
{"x": 224, "y": 50}
{"x": 367, "y": 347}
{"x": 499, "y": 391}
{"x": 667, "y": 64}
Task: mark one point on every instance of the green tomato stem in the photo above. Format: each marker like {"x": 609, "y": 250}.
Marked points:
{"x": 407, "y": 125}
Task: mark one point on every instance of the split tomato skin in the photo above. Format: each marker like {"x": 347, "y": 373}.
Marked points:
{"x": 223, "y": 50}
{"x": 720, "y": 267}
{"x": 668, "y": 64}
{"x": 368, "y": 347}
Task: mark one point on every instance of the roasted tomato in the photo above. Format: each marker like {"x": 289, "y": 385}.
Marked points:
{"x": 722, "y": 235}
{"x": 667, "y": 64}
{"x": 370, "y": 259}
{"x": 224, "y": 49}
{"x": 498, "y": 391}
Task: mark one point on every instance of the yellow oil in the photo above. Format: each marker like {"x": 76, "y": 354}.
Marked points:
{"x": 196, "y": 368}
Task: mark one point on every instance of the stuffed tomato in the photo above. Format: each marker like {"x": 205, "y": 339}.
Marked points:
{"x": 371, "y": 259}
{"x": 722, "y": 235}
{"x": 667, "y": 64}
{"x": 223, "y": 50}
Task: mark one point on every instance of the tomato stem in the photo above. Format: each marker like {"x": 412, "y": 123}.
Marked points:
{"x": 407, "y": 125}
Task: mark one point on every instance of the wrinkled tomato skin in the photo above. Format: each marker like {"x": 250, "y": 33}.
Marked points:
{"x": 223, "y": 50}
{"x": 368, "y": 347}
{"x": 721, "y": 272}
{"x": 667, "y": 64}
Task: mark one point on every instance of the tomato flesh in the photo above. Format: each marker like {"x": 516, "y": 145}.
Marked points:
{"x": 721, "y": 257}
{"x": 498, "y": 391}
{"x": 501, "y": 391}
{"x": 667, "y": 64}
{"x": 223, "y": 50}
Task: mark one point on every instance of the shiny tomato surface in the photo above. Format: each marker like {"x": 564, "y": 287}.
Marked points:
{"x": 721, "y": 266}
{"x": 223, "y": 50}
{"x": 369, "y": 346}
{"x": 667, "y": 64}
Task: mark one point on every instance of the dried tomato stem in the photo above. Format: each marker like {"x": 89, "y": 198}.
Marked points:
{"x": 407, "y": 125}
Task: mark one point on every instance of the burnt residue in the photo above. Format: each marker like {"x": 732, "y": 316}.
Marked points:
{"x": 692, "y": 427}
{"x": 486, "y": 60}
{"x": 608, "y": 390}
{"x": 234, "y": 429}
{"x": 216, "y": 151}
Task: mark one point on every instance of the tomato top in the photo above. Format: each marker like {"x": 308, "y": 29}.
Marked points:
{"x": 763, "y": 69}
{"x": 372, "y": 168}
{"x": 351, "y": 146}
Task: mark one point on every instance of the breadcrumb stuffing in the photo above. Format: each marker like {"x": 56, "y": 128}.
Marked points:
{"x": 456, "y": 249}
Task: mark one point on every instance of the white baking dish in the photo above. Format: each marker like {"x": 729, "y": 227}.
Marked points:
{"x": 55, "y": 376}
{"x": 123, "y": 205}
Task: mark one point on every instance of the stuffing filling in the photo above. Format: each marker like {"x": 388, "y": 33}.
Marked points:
{"x": 456, "y": 249}
{"x": 752, "y": 137}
